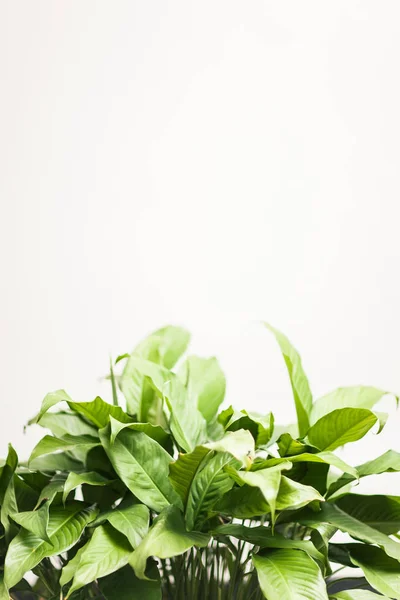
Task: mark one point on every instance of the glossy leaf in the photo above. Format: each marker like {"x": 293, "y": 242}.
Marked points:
{"x": 129, "y": 518}
{"x": 142, "y": 464}
{"x": 289, "y": 574}
{"x": 240, "y": 444}
{"x": 166, "y": 538}
{"x": 320, "y": 457}
{"x": 98, "y": 412}
{"x": 63, "y": 423}
{"x": 340, "y": 427}
{"x": 183, "y": 470}
{"x": 358, "y": 595}
{"x": 49, "y": 401}
{"x": 35, "y": 521}
{"x": 8, "y": 501}
{"x": 124, "y": 585}
{"x": 205, "y": 382}
{"x": 380, "y": 570}
{"x": 261, "y": 427}
{"x": 64, "y": 529}
{"x": 300, "y": 386}
{"x": 50, "y": 444}
{"x": 74, "y": 480}
{"x": 154, "y": 431}
{"x": 361, "y": 396}
{"x": 294, "y": 495}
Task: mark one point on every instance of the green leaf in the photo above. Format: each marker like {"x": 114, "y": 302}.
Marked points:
{"x": 154, "y": 431}
{"x": 381, "y": 571}
{"x": 288, "y": 446}
{"x": 124, "y": 585}
{"x": 63, "y": 423}
{"x": 142, "y": 464}
{"x": 264, "y": 538}
{"x": 210, "y": 482}
{"x": 240, "y": 444}
{"x": 107, "y": 551}
{"x": 330, "y": 513}
{"x": 267, "y": 480}
{"x": 243, "y": 503}
{"x": 261, "y": 427}
{"x": 61, "y": 461}
{"x": 8, "y": 501}
{"x": 54, "y": 487}
{"x": 166, "y": 538}
{"x": 187, "y": 423}
{"x": 164, "y": 347}
{"x": 35, "y": 521}
{"x": 294, "y": 495}
{"x": 205, "y": 383}
{"x": 27, "y": 550}
{"x": 74, "y": 480}
{"x": 340, "y": 427}
{"x": 300, "y": 386}
{"x": 49, "y": 401}
{"x": 183, "y": 470}
{"x": 320, "y": 457}
{"x": 129, "y": 518}
{"x": 98, "y": 412}
{"x": 113, "y": 385}
{"x": 50, "y": 444}
{"x": 377, "y": 511}
{"x": 389, "y": 462}
{"x": 361, "y": 396}
{"x": 358, "y": 595}
{"x": 4, "y": 595}
{"x": 289, "y": 574}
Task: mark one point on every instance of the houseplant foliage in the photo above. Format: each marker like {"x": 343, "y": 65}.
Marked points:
{"x": 161, "y": 494}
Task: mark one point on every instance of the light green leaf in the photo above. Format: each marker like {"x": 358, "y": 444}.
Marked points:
{"x": 49, "y": 401}
{"x": 340, "y": 427}
{"x": 54, "y": 487}
{"x": 321, "y": 457}
{"x": 377, "y": 511}
{"x": 35, "y": 521}
{"x": 187, "y": 423}
{"x": 129, "y": 518}
{"x": 142, "y": 464}
{"x": 330, "y": 513}
{"x": 243, "y": 503}
{"x": 99, "y": 412}
{"x": 294, "y": 495}
{"x": 63, "y": 423}
{"x": 183, "y": 470}
{"x": 358, "y": 595}
{"x": 154, "y": 431}
{"x": 164, "y": 347}
{"x": 260, "y": 426}
{"x": 205, "y": 383}
{"x": 239, "y": 444}
{"x": 209, "y": 484}
{"x": 289, "y": 574}
{"x": 264, "y": 538}
{"x": 124, "y": 585}
{"x": 8, "y": 501}
{"x": 381, "y": 571}
{"x": 300, "y": 386}
{"x": 389, "y": 462}
{"x": 288, "y": 446}
{"x": 61, "y": 461}
{"x": 166, "y": 538}
{"x": 267, "y": 480}
{"x": 113, "y": 384}
{"x": 27, "y": 550}
{"x": 74, "y": 480}
{"x": 107, "y": 551}
{"x": 50, "y": 444}
{"x": 360, "y": 396}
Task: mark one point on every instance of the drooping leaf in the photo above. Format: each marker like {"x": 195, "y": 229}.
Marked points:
{"x": 64, "y": 529}
{"x": 300, "y": 386}
{"x": 260, "y": 426}
{"x": 154, "y": 431}
{"x": 50, "y": 445}
{"x": 163, "y": 347}
{"x": 183, "y": 470}
{"x": 238, "y": 443}
{"x": 124, "y": 585}
{"x": 142, "y": 464}
{"x": 389, "y": 462}
{"x": 187, "y": 423}
{"x": 209, "y": 484}
{"x": 378, "y": 511}
{"x": 289, "y": 574}
{"x": 361, "y": 396}
{"x": 107, "y": 551}
{"x": 294, "y": 495}
{"x": 63, "y": 423}
{"x": 205, "y": 383}
{"x": 49, "y": 401}
{"x": 264, "y": 538}
{"x": 35, "y": 521}
{"x": 54, "y": 487}
{"x": 74, "y": 480}
{"x": 381, "y": 571}
{"x": 167, "y": 537}
{"x": 320, "y": 457}
{"x": 8, "y": 501}
{"x": 340, "y": 427}
{"x": 61, "y": 461}
{"x": 129, "y": 518}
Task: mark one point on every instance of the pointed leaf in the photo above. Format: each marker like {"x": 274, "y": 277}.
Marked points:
{"x": 260, "y": 426}
{"x": 166, "y": 538}
{"x": 154, "y": 431}
{"x": 142, "y": 464}
{"x": 164, "y": 347}
{"x": 205, "y": 383}
{"x": 289, "y": 574}
{"x": 124, "y": 585}
{"x": 98, "y": 412}
{"x": 54, "y": 487}
{"x": 340, "y": 427}
{"x": 35, "y": 521}
{"x": 129, "y": 518}
{"x": 183, "y": 470}
{"x": 361, "y": 396}
{"x": 381, "y": 571}
{"x": 27, "y": 550}
{"x": 378, "y": 511}
{"x": 49, "y": 401}
{"x": 74, "y": 480}
{"x": 8, "y": 501}
{"x": 294, "y": 495}
{"x": 63, "y": 423}
{"x": 300, "y": 386}
{"x": 357, "y": 595}
{"x": 50, "y": 444}
{"x": 321, "y": 457}
{"x": 240, "y": 444}
{"x": 107, "y": 551}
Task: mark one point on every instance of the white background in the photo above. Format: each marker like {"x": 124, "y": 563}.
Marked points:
{"x": 207, "y": 163}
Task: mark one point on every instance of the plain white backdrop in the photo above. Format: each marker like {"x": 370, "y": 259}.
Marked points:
{"x": 208, "y": 164}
